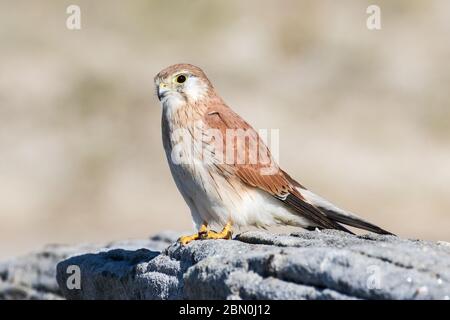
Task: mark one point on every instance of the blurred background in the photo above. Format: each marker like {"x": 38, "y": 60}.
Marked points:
{"x": 364, "y": 116}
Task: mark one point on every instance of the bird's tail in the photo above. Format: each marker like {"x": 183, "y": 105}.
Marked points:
{"x": 338, "y": 215}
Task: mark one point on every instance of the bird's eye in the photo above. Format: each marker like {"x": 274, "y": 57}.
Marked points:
{"x": 180, "y": 79}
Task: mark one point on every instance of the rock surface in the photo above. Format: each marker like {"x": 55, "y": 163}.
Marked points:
{"x": 258, "y": 265}
{"x": 34, "y": 276}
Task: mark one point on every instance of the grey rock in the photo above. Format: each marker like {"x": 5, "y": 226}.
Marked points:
{"x": 10, "y": 291}
{"x": 259, "y": 265}
{"x": 33, "y": 276}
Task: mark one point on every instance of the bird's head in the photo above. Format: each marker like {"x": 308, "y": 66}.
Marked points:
{"x": 181, "y": 84}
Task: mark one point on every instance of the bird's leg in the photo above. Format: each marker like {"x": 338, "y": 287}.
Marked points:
{"x": 226, "y": 233}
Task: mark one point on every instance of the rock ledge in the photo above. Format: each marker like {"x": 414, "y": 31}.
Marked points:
{"x": 258, "y": 265}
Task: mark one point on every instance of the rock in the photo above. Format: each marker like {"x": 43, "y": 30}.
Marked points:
{"x": 34, "y": 276}
{"x": 10, "y": 291}
{"x": 258, "y": 265}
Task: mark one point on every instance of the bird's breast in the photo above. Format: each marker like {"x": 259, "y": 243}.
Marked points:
{"x": 188, "y": 148}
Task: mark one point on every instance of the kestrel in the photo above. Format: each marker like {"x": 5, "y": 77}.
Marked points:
{"x": 226, "y": 182}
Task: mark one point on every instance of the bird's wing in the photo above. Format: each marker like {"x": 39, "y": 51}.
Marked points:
{"x": 267, "y": 177}
{"x": 280, "y": 187}
{"x": 278, "y": 183}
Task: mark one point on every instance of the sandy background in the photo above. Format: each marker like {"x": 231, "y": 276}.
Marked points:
{"x": 363, "y": 115}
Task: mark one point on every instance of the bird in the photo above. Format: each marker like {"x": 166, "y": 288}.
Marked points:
{"x": 224, "y": 170}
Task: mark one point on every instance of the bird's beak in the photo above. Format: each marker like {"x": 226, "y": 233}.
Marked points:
{"x": 162, "y": 90}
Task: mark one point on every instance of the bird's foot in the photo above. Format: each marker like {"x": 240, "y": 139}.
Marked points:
{"x": 205, "y": 234}
{"x": 184, "y": 240}
{"x": 226, "y": 233}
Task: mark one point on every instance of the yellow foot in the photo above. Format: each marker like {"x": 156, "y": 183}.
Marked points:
{"x": 204, "y": 234}
{"x": 184, "y": 240}
{"x": 226, "y": 233}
